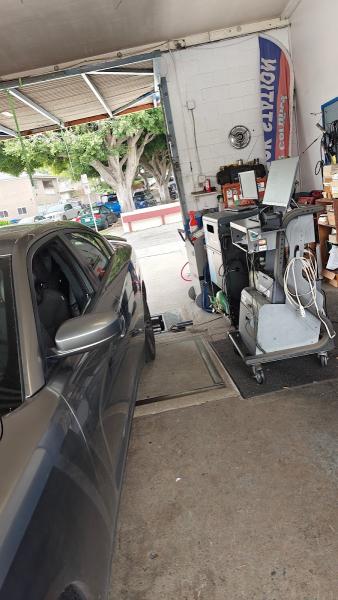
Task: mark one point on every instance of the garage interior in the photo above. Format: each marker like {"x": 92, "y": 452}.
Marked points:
{"x": 230, "y": 488}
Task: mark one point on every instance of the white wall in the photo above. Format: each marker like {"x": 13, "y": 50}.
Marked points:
{"x": 46, "y": 195}
{"x": 16, "y": 192}
{"x": 314, "y": 43}
{"x": 222, "y": 79}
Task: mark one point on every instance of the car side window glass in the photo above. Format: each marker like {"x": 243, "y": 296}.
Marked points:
{"x": 61, "y": 290}
{"x": 68, "y": 207}
{"x": 93, "y": 252}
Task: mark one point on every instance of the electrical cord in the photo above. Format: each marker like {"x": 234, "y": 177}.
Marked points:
{"x": 1, "y": 428}
{"x": 191, "y": 110}
{"x": 207, "y": 322}
{"x": 178, "y": 327}
{"x": 182, "y": 276}
{"x": 294, "y": 297}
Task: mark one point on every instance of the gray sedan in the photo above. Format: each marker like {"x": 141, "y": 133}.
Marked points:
{"x": 75, "y": 329}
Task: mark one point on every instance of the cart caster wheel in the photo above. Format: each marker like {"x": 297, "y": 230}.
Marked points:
{"x": 324, "y": 359}
{"x": 259, "y": 376}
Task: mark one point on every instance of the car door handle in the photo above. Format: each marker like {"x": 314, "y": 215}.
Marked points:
{"x": 123, "y": 326}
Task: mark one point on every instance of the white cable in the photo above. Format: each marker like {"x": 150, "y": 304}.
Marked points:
{"x": 309, "y": 268}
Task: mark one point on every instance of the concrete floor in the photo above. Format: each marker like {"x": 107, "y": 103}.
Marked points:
{"x": 226, "y": 498}
{"x": 234, "y": 499}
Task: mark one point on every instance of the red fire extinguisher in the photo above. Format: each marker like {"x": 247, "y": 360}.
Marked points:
{"x": 207, "y": 186}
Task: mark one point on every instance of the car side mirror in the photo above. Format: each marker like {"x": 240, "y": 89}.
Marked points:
{"x": 84, "y": 333}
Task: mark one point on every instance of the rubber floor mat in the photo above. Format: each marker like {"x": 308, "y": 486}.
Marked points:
{"x": 278, "y": 375}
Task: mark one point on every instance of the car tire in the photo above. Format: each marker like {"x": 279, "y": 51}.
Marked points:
{"x": 75, "y": 592}
{"x": 150, "y": 342}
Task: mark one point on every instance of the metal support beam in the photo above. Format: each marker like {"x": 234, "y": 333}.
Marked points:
{"x": 71, "y": 71}
{"x": 132, "y": 102}
{"x": 8, "y": 131}
{"x": 34, "y": 106}
{"x": 172, "y": 143}
{"x": 96, "y": 93}
{"x": 122, "y": 71}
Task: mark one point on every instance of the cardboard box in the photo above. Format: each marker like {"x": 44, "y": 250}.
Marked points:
{"x": 331, "y": 277}
{"x": 330, "y": 171}
{"x": 331, "y": 218}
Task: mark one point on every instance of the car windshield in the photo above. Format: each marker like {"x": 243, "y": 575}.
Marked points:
{"x": 10, "y": 387}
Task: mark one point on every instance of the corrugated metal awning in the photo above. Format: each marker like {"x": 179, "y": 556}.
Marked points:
{"x": 66, "y": 98}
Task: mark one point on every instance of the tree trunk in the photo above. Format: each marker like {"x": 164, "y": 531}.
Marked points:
{"x": 120, "y": 172}
{"x": 125, "y": 197}
{"x": 164, "y": 192}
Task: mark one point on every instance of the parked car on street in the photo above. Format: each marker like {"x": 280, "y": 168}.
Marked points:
{"x": 111, "y": 202}
{"x": 172, "y": 187}
{"x": 75, "y": 330}
{"x": 102, "y": 215}
{"x": 143, "y": 199}
{"x": 62, "y": 212}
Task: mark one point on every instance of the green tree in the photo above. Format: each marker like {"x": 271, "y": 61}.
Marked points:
{"x": 110, "y": 148}
{"x": 156, "y": 160}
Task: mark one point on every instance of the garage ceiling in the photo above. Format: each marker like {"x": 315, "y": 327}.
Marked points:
{"x": 47, "y": 37}
{"x": 39, "y": 33}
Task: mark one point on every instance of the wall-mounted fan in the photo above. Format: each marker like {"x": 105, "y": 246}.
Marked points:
{"x": 239, "y": 137}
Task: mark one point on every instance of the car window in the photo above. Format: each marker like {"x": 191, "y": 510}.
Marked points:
{"x": 93, "y": 252}
{"x": 68, "y": 207}
{"x": 60, "y": 290}
{"x": 104, "y": 210}
{"x": 10, "y": 385}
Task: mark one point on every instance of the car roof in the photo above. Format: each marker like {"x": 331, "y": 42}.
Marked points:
{"x": 12, "y": 234}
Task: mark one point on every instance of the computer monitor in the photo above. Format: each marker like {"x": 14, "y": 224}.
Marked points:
{"x": 281, "y": 181}
{"x": 247, "y": 179}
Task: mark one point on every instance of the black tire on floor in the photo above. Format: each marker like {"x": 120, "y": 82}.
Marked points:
{"x": 150, "y": 342}
{"x": 192, "y": 293}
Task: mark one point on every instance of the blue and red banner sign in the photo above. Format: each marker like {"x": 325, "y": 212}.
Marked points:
{"x": 276, "y": 90}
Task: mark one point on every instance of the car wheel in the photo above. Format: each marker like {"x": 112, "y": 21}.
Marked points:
{"x": 150, "y": 343}
{"x": 75, "y": 592}
{"x": 105, "y": 224}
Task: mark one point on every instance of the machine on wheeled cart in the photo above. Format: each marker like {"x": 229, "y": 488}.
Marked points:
{"x": 282, "y": 312}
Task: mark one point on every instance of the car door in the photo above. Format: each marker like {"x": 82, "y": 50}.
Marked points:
{"x": 119, "y": 290}
{"x": 81, "y": 381}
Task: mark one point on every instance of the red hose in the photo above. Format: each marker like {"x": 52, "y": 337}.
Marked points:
{"x": 185, "y": 278}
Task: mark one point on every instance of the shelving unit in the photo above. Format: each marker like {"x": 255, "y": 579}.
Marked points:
{"x": 325, "y": 229}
